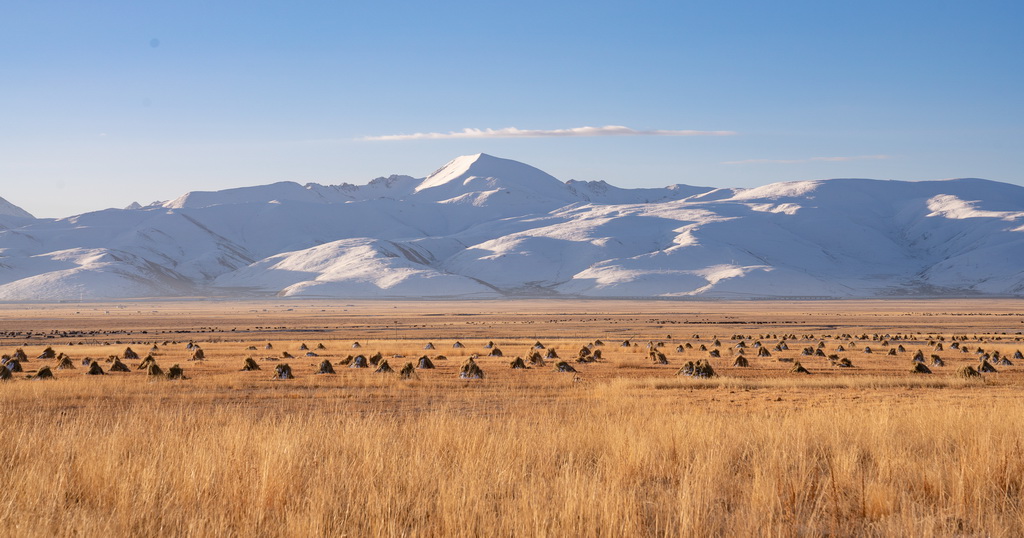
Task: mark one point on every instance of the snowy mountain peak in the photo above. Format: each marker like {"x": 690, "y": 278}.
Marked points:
{"x": 483, "y": 173}
{"x": 11, "y": 210}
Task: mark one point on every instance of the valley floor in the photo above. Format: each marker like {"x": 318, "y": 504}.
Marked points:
{"x": 623, "y": 446}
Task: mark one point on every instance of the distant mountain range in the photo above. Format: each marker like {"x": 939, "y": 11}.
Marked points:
{"x": 485, "y": 227}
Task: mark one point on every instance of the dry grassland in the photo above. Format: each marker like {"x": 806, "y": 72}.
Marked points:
{"x": 622, "y": 447}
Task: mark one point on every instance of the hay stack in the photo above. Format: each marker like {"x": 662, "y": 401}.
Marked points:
{"x": 489, "y": 345}
{"x": 87, "y": 361}
{"x": 65, "y": 364}
{"x": 146, "y": 362}
{"x": 321, "y": 346}
{"x": 14, "y": 365}
{"x": 42, "y": 373}
{"x": 48, "y": 353}
{"x": 356, "y": 345}
{"x": 458, "y": 345}
{"x": 375, "y": 358}
{"x": 359, "y": 361}
{"x": 986, "y": 368}
{"x": 198, "y": 354}
{"x": 919, "y": 368}
{"x": 919, "y": 356}
{"x": 154, "y": 370}
{"x": 626, "y": 343}
{"x": 250, "y": 365}
{"x": 763, "y": 352}
{"x": 251, "y": 348}
{"x": 283, "y": 371}
{"x": 119, "y": 366}
{"x": 129, "y": 355}
{"x": 424, "y": 363}
{"x": 551, "y": 354}
{"x": 176, "y": 372}
{"x": 268, "y": 346}
{"x": 429, "y": 346}
{"x": 798, "y": 368}
{"x": 714, "y": 353}
{"x": 658, "y": 357}
{"x": 346, "y": 361}
{"x": 303, "y": 347}
{"x": 407, "y": 371}
{"x": 701, "y": 368}
{"x": 384, "y": 368}
{"x": 562, "y": 366}
{"x": 5, "y": 374}
{"x": 535, "y": 359}
{"x": 286, "y": 355}
{"x": 496, "y": 352}
{"x": 517, "y": 364}
{"x": 741, "y": 362}
{"x": 325, "y": 367}
{"x": 19, "y": 354}
{"x": 967, "y": 371}
{"x": 584, "y": 352}
{"x": 470, "y": 370}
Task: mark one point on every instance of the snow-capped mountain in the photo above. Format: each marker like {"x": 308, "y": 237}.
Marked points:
{"x": 481, "y": 226}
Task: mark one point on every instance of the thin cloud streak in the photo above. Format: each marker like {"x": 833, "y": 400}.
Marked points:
{"x": 512, "y": 132}
{"x": 811, "y": 160}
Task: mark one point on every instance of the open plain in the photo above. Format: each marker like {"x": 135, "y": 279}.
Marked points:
{"x": 622, "y": 446}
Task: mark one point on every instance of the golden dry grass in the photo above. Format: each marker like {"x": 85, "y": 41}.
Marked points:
{"x": 623, "y": 448}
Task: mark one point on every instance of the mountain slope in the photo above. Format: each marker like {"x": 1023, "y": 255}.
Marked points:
{"x": 482, "y": 226}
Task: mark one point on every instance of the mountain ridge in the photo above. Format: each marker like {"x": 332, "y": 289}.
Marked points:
{"x": 482, "y": 226}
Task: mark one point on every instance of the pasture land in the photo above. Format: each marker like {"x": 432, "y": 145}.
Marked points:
{"x": 623, "y": 446}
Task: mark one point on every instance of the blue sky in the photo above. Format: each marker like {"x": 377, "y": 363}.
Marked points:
{"x": 127, "y": 101}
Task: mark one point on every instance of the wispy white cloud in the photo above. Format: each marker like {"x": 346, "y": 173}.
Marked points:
{"x": 811, "y": 160}
{"x": 512, "y": 132}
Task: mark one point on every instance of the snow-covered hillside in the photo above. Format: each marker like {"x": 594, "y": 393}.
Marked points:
{"x": 482, "y": 227}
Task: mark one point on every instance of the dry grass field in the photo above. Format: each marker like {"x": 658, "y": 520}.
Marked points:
{"x": 621, "y": 447}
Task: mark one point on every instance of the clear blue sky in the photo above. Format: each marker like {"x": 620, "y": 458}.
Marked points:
{"x": 105, "y": 103}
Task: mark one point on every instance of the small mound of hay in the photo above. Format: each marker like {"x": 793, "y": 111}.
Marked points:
{"x": 119, "y": 366}
{"x": 286, "y": 355}
{"x": 407, "y": 371}
{"x": 701, "y": 368}
{"x": 937, "y": 361}
{"x": 919, "y": 368}
{"x": 458, "y": 345}
{"x": 346, "y": 361}
{"x": 714, "y": 353}
{"x": 95, "y": 369}
{"x": 489, "y": 345}
{"x": 14, "y": 365}
{"x": 154, "y": 370}
{"x": 303, "y": 347}
{"x": 440, "y": 358}
{"x": 325, "y": 368}
{"x": 551, "y": 354}
{"x": 919, "y": 356}
{"x": 517, "y": 364}
{"x": 844, "y": 363}
{"x": 535, "y": 359}
{"x": 584, "y": 352}
{"x": 321, "y": 346}
{"x": 5, "y": 374}
{"x": 42, "y": 373}
{"x": 967, "y": 371}
{"x": 20, "y": 355}
{"x": 65, "y": 364}
{"x": 356, "y": 345}
{"x": 428, "y": 346}
{"x": 892, "y": 352}
{"x": 198, "y": 355}
{"x": 496, "y": 352}
{"x": 763, "y": 352}
{"x": 251, "y": 348}
{"x": 424, "y": 363}
{"x": 799, "y": 368}
{"x": 376, "y": 358}
{"x": 359, "y": 361}
{"x": 311, "y": 354}
{"x": 986, "y": 368}
{"x": 1004, "y": 362}
{"x": 598, "y": 343}
{"x": 470, "y": 370}
{"x": 384, "y": 368}
{"x": 149, "y": 360}
{"x": 48, "y": 353}
{"x": 268, "y": 346}
{"x": 562, "y": 366}
{"x": 658, "y": 357}
{"x": 129, "y": 355}
{"x": 176, "y": 372}
{"x": 250, "y": 365}
{"x": 87, "y": 361}
{"x": 741, "y": 362}
{"x": 283, "y": 371}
